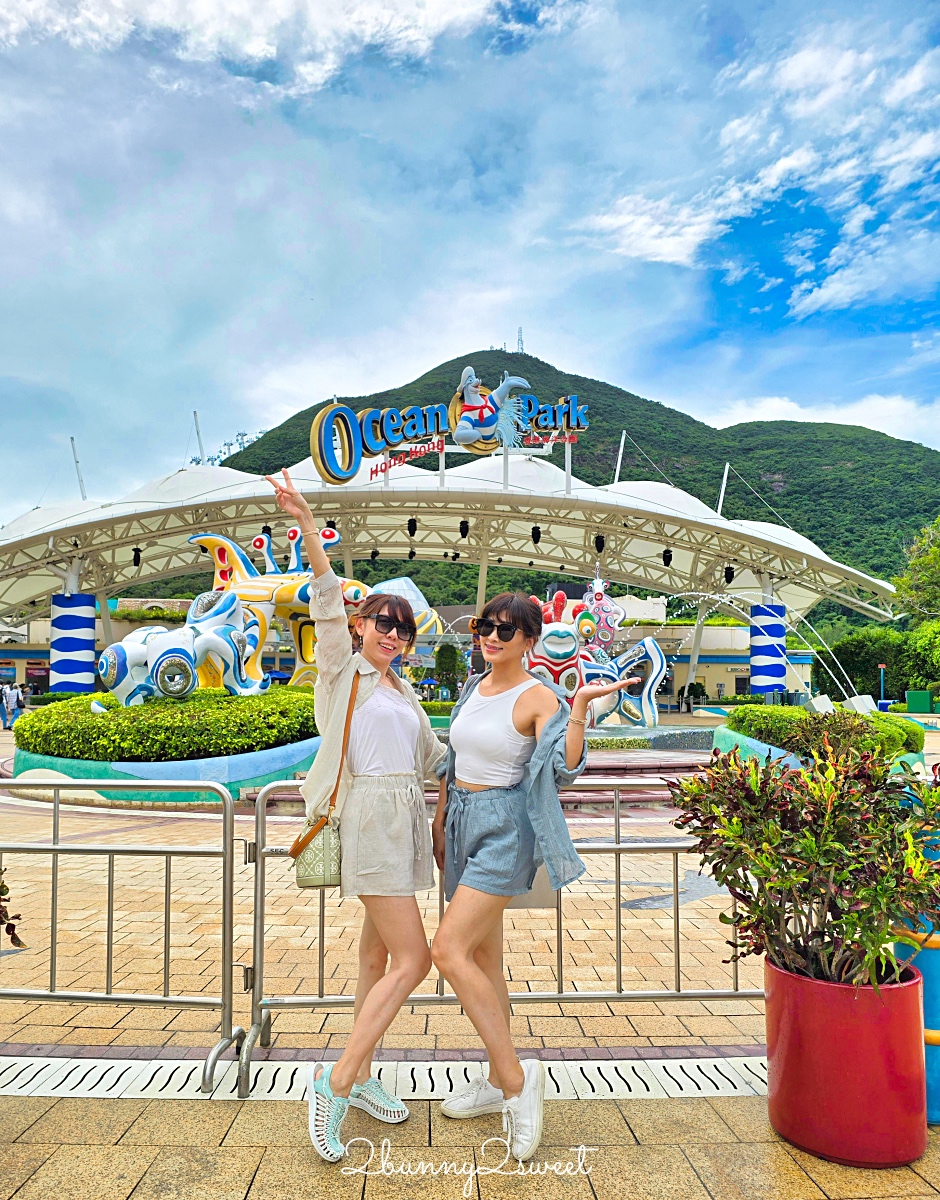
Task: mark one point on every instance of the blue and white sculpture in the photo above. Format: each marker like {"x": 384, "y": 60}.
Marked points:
{"x": 637, "y": 710}
{"x": 72, "y": 644}
{"x": 159, "y": 662}
{"x": 768, "y": 648}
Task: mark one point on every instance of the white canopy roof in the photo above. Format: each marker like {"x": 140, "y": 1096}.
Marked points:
{"x": 638, "y": 520}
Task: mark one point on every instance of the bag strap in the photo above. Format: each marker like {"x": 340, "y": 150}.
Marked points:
{"x": 304, "y": 839}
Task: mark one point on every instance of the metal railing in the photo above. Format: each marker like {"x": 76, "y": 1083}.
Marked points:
{"x": 263, "y": 1006}
{"x": 229, "y": 1035}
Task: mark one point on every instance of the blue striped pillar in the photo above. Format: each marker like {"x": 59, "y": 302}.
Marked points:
{"x": 72, "y": 644}
{"x": 768, "y": 648}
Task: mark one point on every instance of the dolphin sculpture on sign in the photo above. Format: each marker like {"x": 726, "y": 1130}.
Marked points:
{"x": 490, "y": 418}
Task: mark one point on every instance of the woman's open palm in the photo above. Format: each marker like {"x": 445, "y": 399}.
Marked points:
{"x": 592, "y": 691}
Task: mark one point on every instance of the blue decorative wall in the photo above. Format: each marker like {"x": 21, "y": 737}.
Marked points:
{"x": 768, "y": 648}
{"x": 72, "y": 644}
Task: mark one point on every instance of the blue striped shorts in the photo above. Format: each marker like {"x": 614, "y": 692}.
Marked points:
{"x": 490, "y": 842}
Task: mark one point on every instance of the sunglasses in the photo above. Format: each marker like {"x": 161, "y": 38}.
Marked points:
{"x": 484, "y": 627}
{"x": 385, "y": 624}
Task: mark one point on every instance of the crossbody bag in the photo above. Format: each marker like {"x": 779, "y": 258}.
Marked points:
{"x": 316, "y": 851}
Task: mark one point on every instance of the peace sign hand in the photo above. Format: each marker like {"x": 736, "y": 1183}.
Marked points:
{"x": 291, "y": 500}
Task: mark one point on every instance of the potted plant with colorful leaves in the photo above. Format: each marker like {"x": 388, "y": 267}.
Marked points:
{"x": 827, "y": 868}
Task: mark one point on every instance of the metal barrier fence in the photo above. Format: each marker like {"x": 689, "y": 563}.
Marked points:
{"x": 226, "y": 852}
{"x": 263, "y": 1006}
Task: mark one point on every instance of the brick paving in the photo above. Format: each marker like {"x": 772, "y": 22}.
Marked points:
{"x": 696, "y": 1149}
{"x": 291, "y": 961}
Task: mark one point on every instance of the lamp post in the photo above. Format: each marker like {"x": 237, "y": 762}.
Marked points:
{"x": 881, "y": 671}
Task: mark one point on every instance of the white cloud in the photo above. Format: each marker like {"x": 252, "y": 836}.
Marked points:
{"x": 319, "y": 35}
{"x": 830, "y": 116}
{"x": 898, "y": 260}
{"x": 897, "y": 415}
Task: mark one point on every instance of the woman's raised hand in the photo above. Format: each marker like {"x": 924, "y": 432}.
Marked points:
{"x": 291, "y": 500}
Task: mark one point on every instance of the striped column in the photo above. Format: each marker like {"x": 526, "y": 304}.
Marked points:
{"x": 768, "y": 648}
{"x": 72, "y": 644}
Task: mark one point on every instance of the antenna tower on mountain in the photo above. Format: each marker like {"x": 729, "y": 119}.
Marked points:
{"x": 519, "y": 349}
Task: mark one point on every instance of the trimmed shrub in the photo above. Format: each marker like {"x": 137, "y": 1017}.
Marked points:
{"x": 150, "y": 616}
{"x": 898, "y": 708}
{"x": 53, "y": 698}
{"x": 208, "y": 724}
{"x": 802, "y": 733}
{"x": 438, "y": 708}
{"x": 734, "y": 701}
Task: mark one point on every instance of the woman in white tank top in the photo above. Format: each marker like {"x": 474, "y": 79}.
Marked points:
{"x": 512, "y": 740}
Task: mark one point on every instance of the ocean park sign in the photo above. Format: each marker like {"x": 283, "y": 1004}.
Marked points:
{"x": 480, "y": 421}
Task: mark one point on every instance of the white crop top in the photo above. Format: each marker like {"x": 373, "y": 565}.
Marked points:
{"x": 383, "y": 736}
{"x": 488, "y": 748}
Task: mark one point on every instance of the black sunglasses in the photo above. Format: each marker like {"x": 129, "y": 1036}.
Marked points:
{"x": 385, "y": 624}
{"x": 484, "y": 627}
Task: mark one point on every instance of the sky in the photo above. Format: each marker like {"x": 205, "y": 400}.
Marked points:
{"x": 246, "y": 208}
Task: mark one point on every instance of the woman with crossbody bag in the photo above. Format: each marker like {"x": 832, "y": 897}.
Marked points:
{"x": 376, "y": 753}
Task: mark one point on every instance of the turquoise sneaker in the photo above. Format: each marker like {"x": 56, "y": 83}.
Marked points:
{"x": 373, "y": 1097}
{"x": 325, "y": 1113}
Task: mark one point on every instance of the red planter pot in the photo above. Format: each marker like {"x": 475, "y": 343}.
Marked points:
{"x": 846, "y": 1076}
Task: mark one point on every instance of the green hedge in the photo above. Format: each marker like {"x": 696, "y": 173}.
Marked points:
{"x": 208, "y": 724}
{"x": 438, "y": 708}
{"x": 735, "y": 701}
{"x": 150, "y": 616}
{"x": 53, "y": 698}
{"x": 802, "y": 732}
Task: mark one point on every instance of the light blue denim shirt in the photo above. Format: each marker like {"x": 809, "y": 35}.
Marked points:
{"x": 544, "y": 774}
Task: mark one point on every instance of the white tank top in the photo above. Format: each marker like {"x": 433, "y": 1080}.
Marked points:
{"x": 383, "y": 736}
{"x": 488, "y": 748}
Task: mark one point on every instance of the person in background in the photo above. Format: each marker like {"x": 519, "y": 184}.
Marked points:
{"x": 13, "y": 703}
{"x": 3, "y": 706}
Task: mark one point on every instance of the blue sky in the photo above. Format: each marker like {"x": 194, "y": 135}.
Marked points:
{"x": 245, "y": 208}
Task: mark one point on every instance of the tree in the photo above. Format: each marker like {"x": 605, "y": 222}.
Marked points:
{"x": 919, "y": 586}
{"x": 912, "y": 660}
{"x": 450, "y": 668}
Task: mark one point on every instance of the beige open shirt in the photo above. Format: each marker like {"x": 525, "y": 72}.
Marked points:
{"x": 336, "y": 666}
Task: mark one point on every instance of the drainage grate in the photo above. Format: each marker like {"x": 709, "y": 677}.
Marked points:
{"x": 613, "y": 1080}
{"x": 173, "y": 1079}
{"x": 103, "y": 1077}
{"x": 638, "y": 1079}
{"x": 434, "y": 1081}
{"x": 700, "y": 1077}
{"x": 19, "y": 1076}
{"x": 754, "y": 1070}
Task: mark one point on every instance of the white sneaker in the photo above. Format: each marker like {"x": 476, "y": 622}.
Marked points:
{"x": 522, "y": 1114}
{"x": 475, "y": 1100}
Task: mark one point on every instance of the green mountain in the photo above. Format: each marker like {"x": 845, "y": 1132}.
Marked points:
{"x": 858, "y": 494}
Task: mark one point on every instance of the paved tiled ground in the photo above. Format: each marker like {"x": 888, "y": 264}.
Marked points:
{"x": 643, "y": 1149}
{"x": 589, "y": 959}
{"x": 292, "y": 936}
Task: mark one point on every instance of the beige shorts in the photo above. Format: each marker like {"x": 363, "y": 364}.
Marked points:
{"x": 385, "y": 837}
